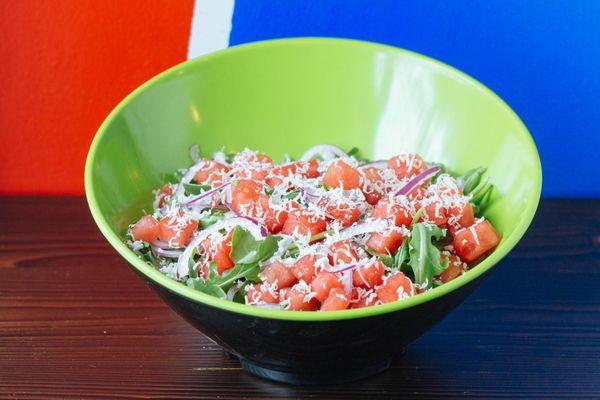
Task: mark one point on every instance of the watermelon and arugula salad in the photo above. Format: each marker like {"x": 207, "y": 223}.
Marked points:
{"x": 330, "y": 231}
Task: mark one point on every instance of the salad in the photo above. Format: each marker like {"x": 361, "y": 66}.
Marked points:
{"x": 330, "y": 231}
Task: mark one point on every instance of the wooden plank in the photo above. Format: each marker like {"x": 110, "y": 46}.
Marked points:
{"x": 75, "y": 321}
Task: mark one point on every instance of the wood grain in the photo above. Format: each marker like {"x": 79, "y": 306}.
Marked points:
{"x": 76, "y": 322}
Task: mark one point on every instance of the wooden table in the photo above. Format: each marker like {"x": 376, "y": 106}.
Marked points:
{"x": 75, "y": 321}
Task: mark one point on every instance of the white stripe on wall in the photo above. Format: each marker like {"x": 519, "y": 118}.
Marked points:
{"x": 211, "y": 25}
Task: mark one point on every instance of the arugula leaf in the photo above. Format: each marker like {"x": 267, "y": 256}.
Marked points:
{"x": 243, "y": 246}
{"x": 293, "y": 249}
{"x": 247, "y": 271}
{"x": 483, "y": 200}
{"x": 217, "y": 285}
{"x": 417, "y": 216}
{"x": 387, "y": 259}
{"x": 246, "y": 250}
{"x": 472, "y": 178}
{"x": 211, "y": 219}
{"x": 193, "y": 189}
{"x": 353, "y": 151}
{"x": 402, "y": 256}
{"x": 229, "y": 157}
{"x": 291, "y": 195}
{"x": 148, "y": 256}
{"x": 192, "y": 272}
{"x": 238, "y": 297}
{"x": 480, "y": 196}
{"x": 479, "y": 189}
{"x": 212, "y": 270}
{"x": 172, "y": 177}
{"x": 424, "y": 255}
{"x": 206, "y": 286}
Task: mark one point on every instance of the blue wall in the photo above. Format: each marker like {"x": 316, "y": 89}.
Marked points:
{"x": 541, "y": 57}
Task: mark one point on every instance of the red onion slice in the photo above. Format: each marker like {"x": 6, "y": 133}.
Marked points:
{"x": 267, "y": 306}
{"x": 221, "y": 207}
{"x": 166, "y": 253}
{"x": 160, "y": 245}
{"x": 230, "y": 208}
{"x": 326, "y": 151}
{"x": 195, "y": 152}
{"x": 263, "y": 231}
{"x": 206, "y": 194}
{"x": 232, "y": 292}
{"x": 309, "y": 195}
{"x": 347, "y": 280}
{"x": 255, "y": 230}
{"x": 187, "y": 177}
{"x": 376, "y": 164}
{"x": 342, "y": 268}
{"x": 414, "y": 182}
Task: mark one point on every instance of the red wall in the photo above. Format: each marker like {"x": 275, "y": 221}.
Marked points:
{"x": 63, "y": 66}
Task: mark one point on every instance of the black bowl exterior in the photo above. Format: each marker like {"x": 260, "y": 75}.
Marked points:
{"x": 305, "y": 352}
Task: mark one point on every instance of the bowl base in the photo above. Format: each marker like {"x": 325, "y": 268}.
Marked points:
{"x": 317, "y": 376}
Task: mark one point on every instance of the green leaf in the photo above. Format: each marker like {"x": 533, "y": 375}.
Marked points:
{"x": 291, "y": 195}
{"x": 484, "y": 200}
{"x": 247, "y": 250}
{"x": 172, "y": 177}
{"x": 211, "y": 219}
{"x": 320, "y": 235}
{"x": 478, "y": 188}
{"x": 472, "y": 178}
{"x": 238, "y": 297}
{"x": 387, "y": 260}
{"x": 148, "y": 256}
{"x": 401, "y": 257}
{"x": 293, "y": 250}
{"x": 229, "y": 157}
{"x": 268, "y": 247}
{"x": 417, "y": 216}
{"x": 243, "y": 246}
{"x": 192, "y": 272}
{"x": 191, "y": 189}
{"x": 195, "y": 152}
{"x": 206, "y": 286}
{"x": 353, "y": 151}
{"x": 424, "y": 255}
{"x": 212, "y": 270}
{"x": 248, "y": 272}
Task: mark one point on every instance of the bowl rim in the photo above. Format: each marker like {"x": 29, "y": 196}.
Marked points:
{"x": 183, "y": 290}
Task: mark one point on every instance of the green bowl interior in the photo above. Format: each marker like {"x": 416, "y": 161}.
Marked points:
{"x": 284, "y": 96}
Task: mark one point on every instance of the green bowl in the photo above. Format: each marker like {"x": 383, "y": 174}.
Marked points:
{"x": 284, "y": 96}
